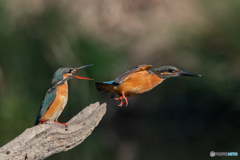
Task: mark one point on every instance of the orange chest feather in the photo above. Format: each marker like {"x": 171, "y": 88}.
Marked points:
{"x": 138, "y": 82}
{"x": 62, "y": 90}
{"x": 59, "y": 103}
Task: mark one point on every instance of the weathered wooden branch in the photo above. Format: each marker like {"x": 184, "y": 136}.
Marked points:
{"x": 43, "y": 140}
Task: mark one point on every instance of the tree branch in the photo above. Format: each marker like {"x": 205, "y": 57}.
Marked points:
{"x": 43, "y": 140}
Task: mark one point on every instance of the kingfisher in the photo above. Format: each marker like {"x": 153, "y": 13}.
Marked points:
{"x": 138, "y": 80}
{"x": 57, "y": 96}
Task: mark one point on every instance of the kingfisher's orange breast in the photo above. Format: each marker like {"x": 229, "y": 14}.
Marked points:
{"x": 59, "y": 103}
{"x": 138, "y": 82}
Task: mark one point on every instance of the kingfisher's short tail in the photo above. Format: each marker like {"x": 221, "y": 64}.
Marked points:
{"x": 104, "y": 86}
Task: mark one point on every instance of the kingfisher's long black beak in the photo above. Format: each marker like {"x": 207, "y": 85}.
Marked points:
{"x": 79, "y": 68}
{"x": 183, "y": 73}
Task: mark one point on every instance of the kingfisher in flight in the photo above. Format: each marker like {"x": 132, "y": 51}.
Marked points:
{"x": 139, "y": 80}
{"x": 57, "y": 96}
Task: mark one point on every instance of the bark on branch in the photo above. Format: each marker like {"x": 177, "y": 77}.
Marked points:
{"x": 43, "y": 140}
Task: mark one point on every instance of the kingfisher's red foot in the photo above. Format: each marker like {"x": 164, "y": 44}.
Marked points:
{"x": 42, "y": 121}
{"x": 120, "y": 99}
{"x": 123, "y": 95}
{"x": 66, "y": 126}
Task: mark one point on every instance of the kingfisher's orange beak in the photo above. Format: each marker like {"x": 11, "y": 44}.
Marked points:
{"x": 76, "y": 69}
{"x": 81, "y": 77}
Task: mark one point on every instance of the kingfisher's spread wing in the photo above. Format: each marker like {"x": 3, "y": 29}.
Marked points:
{"x": 127, "y": 75}
{"x": 46, "y": 103}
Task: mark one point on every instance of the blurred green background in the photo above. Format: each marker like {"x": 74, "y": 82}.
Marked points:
{"x": 183, "y": 118}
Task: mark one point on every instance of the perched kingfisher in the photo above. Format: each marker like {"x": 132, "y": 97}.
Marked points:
{"x": 56, "y": 97}
{"x": 139, "y": 80}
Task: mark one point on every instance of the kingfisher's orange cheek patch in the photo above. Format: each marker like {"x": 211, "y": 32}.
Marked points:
{"x": 66, "y": 75}
{"x": 164, "y": 73}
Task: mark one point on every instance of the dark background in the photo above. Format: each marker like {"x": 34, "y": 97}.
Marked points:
{"x": 183, "y": 118}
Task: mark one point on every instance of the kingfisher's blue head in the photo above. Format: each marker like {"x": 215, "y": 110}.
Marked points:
{"x": 64, "y": 74}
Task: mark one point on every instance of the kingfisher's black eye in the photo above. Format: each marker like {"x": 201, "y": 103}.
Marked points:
{"x": 170, "y": 70}
{"x": 70, "y": 71}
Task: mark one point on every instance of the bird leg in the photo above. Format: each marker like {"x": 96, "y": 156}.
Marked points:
{"x": 66, "y": 126}
{"x": 120, "y": 99}
{"x": 123, "y": 95}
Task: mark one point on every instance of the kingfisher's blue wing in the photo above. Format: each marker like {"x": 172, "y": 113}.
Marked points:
{"x": 127, "y": 74}
{"x": 46, "y": 103}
